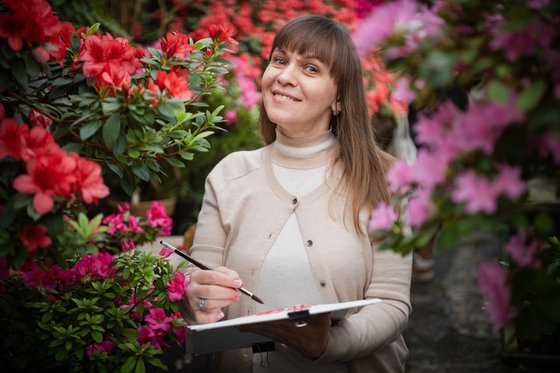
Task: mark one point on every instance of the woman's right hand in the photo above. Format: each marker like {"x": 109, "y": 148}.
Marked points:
{"x": 218, "y": 288}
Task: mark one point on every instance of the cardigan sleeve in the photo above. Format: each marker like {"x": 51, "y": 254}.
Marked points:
{"x": 210, "y": 236}
{"x": 377, "y": 325}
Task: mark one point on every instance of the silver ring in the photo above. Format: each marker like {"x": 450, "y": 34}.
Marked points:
{"x": 201, "y": 304}
{"x": 300, "y": 323}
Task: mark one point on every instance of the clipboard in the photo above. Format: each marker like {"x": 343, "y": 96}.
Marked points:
{"x": 224, "y": 335}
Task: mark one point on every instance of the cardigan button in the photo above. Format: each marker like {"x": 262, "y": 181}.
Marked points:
{"x": 323, "y": 283}
{"x": 294, "y": 201}
{"x": 309, "y": 243}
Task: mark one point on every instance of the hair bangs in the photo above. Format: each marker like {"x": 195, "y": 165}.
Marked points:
{"x": 317, "y": 38}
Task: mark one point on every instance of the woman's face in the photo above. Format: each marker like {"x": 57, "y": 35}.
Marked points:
{"x": 299, "y": 94}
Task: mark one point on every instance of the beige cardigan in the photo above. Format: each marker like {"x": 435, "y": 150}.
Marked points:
{"x": 244, "y": 208}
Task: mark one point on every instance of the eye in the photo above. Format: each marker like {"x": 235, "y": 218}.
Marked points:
{"x": 311, "y": 69}
{"x": 278, "y": 61}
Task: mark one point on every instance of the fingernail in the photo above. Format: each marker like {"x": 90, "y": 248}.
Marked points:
{"x": 220, "y": 315}
{"x": 237, "y": 283}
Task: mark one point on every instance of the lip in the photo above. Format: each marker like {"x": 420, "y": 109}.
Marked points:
{"x": 276, "y": 93}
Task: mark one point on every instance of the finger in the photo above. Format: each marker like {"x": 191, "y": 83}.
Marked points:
{"x": 220, "y": 276}
{"x": 208, "y": 317}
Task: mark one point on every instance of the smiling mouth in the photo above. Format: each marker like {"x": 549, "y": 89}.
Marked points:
{"x": 284, "y": 97}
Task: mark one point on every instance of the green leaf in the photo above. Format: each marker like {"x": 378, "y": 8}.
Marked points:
{"x": 111, "y": 130}
{"x": 18, "y": 71}
{"x": 140, "y": 367}
{"x": 498, "y": 91}
{"x": 89, "y": 129}
{"x": 531, "y": 95}
{"x": 175, "y": 162}
{"x": 97, "y": 336}
{"x": 446, "y": 238}
{"x": 140, "y": 170}
{"x": 128, "y": 365}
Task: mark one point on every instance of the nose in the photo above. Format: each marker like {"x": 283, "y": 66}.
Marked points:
{"x": 288, "y": 76}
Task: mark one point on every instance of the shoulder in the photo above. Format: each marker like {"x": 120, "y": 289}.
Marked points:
{"x": 238, "y": 164}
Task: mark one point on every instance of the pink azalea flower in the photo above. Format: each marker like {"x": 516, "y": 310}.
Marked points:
{"x": 522, "y": 252}
{"x": 157, "y": 217}
{"x": 483, "y": 124}
{"x": 155, "y": 337}
{"x": 433, "y": 130}
{"x": 177, "y": 287}
{"x": 403, "y": 16}
{"x": 429, "y": 169}
{"x": 509, "y": 182}
{"x": 127, "y": 245}
{"x": 420, "y": 208}
{"x": 165, "y": 252}
{"x": 382, "y": 217}
{"x": 157, "y": 319}
{"x": 105, "y": 346}
{"x": 98, "y": 265}
{"x": 475, "y": 191}
{"x": 400, "y": 176}
{"x": 492, "y": 278}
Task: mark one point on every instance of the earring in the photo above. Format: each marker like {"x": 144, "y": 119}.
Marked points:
{"x": 336, "y": 112}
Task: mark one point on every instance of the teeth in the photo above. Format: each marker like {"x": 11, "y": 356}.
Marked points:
{"x": 284, "y": 97}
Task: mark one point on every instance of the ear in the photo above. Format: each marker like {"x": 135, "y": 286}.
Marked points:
{"x": 336, "y": 107}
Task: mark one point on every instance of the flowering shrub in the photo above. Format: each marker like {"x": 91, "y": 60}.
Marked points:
{"x": 79, "y": 109}
{"x": 478, "y": 163}
{"x": 103, "y": 311}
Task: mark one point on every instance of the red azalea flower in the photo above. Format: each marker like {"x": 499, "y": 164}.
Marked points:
{"x": 175, "y": 85}
{"x": 113, "y": 56}
{"x": 30, "y": 21}
{"x": 226, "y": 32}
{"x": 12, "y": 137}
{"x": 34, "y": 236}
{"x": 38, "y": 120}
{"x": 89, "y": 182}
{"x": 51, "y": 174}
{"x": 36, "y": 142}
{"x": 176, "y": 44}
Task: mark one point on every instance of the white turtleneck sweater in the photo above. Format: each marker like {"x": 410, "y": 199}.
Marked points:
{"x": 286, "y": 279}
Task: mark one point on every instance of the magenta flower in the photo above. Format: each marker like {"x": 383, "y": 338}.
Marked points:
{"x": 105, "y": 346}
{"x": 165, "y": 252}
{"x": 154, "y": 337}
{"x": 157, "y": 217}
{"x": 508, "y": 182}
{"x": 382, "y": 217}
{"x": 475, "y": 191}
{"x": 127, "y": 245}
{"x": 433, "y": 130}
{"x": 420, "y": 208}
{"x": 429, "y": 169}
{"x": 400, "y": 176}
{"x": 397, "y": 17}
{"x": 157, "y": 319}
{"x": 492, "y": 278}
{"x": 522, "y": 252}
{"x": 482, "y": 125}
{"x": 98, "y": 265}
{"x": 177, "y": 287}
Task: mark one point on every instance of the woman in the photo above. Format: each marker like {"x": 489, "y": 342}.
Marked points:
{"x": 290, "y": 219}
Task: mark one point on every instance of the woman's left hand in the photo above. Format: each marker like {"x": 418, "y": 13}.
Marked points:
{"x": 310, "y": 340}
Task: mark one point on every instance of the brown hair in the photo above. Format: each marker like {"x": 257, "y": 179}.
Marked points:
{"x": 362, "y": 163}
